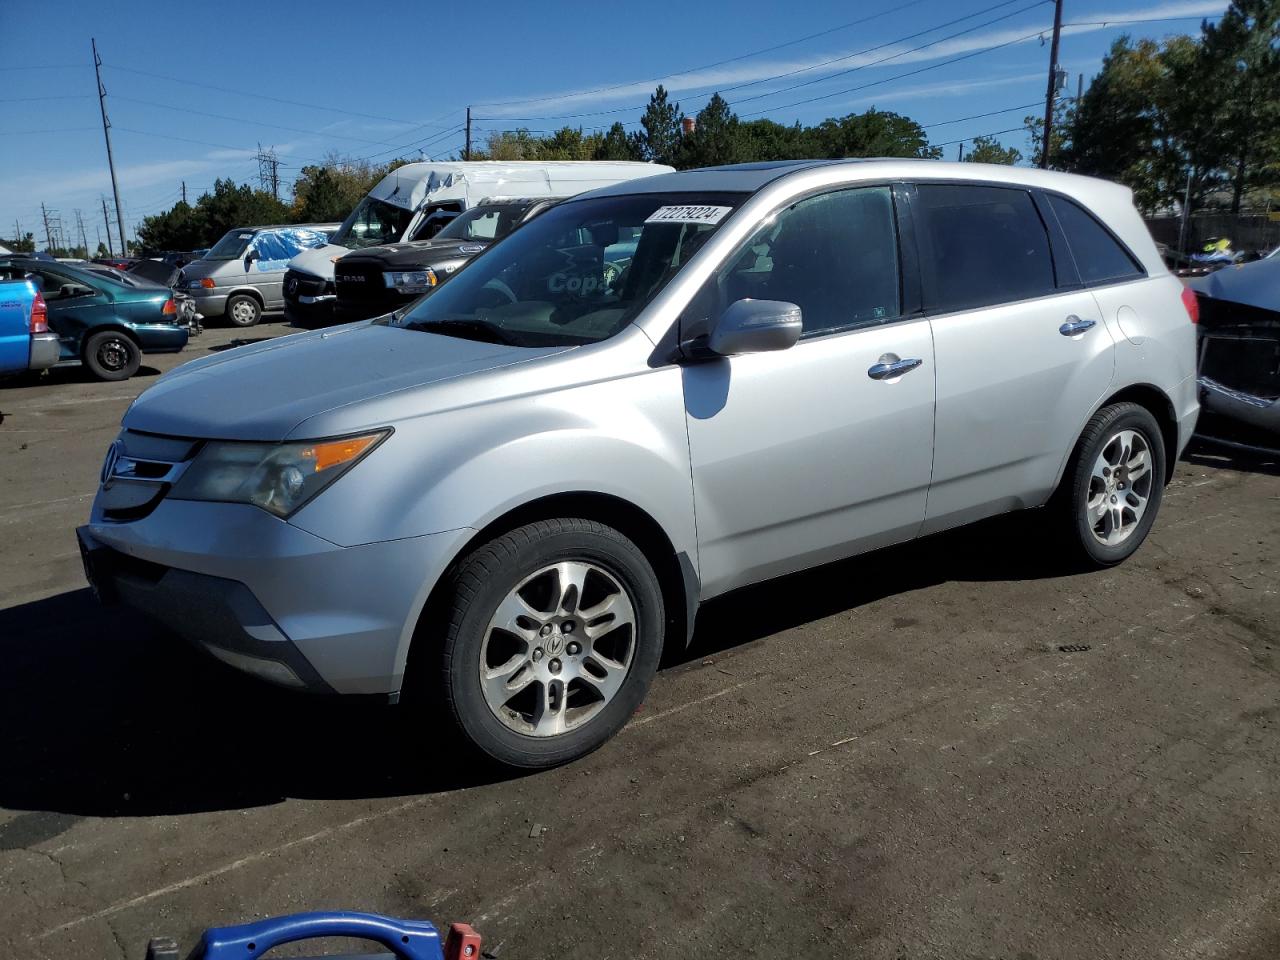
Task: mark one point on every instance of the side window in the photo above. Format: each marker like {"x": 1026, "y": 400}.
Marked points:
{"x": 987, "y": 245}
{"x": 51, "y": 285}
{"x": 834, "y": 255}
{"x": 1099, "y": 256}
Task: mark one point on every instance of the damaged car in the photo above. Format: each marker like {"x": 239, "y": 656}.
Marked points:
{"x": 1239, "y": 352}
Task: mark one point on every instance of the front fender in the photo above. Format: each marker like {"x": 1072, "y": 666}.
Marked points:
{"x": 466, "y": 467}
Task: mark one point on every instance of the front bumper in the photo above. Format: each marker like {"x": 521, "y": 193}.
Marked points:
{"x": 46, "y": 350}
{"x": 244, "y": 584}
{"x": 1261, "y": 413}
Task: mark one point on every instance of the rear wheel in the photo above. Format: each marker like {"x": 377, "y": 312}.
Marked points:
{"x": 112, "y": 355}
{"x": 554, "y": 632}
{"x": 243, "y": 310}
{"x": 1114, "y": 484}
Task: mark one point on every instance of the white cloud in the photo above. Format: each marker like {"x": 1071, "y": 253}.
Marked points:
{"x": 903, "y": 53}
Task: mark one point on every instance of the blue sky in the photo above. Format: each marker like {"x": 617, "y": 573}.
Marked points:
{"x": 193, "y": 89}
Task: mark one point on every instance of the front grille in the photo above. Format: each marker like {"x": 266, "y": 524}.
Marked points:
{"x": 303, "y": 285}
{"x": 139, "y": 472}
{"x": 359, "y": 280}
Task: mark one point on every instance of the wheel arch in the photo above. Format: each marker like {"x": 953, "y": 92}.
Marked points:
{"x": 113, "y": 327}
{"x": 248, "y": 291}
{"x": 675, "y": 570}
{"x": 1158, "y": 404}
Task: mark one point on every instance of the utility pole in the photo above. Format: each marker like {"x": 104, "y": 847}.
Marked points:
{"x": 1186, "y": 215}
{"x": 106, "y": 133}
{"x": 1079, "y": 89}
{"x": 1052, "y": 88}
{"x": 48, "y": 236}
{"x": 111, "y": 252}
{"x": 99, "y": 246}
{"x": 466, "y": 153}
{"x": 84, "y": 241}
{"x": 960, "y": 152}
{"x": 184, "y": 191}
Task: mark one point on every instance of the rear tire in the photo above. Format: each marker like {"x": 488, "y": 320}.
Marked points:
{"x": 111, "y": 355}
{"x": 584, "y": 628}
{"x": 1113, "y": 485}
{"x": 243, "y": 310}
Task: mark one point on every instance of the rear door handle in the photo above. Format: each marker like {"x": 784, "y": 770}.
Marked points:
{"x": 1075, "y": 326}
{"x": 891, "y": 370}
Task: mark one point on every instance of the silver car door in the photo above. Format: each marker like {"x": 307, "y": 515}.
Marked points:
{"x": 1023, "y": 356}
{"x": 825, "y": 449}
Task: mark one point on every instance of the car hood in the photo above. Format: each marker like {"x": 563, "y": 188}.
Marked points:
{"x": 318, "y": 262}
{"x": 265, "y": 391}
{"x": 420, "y": 253}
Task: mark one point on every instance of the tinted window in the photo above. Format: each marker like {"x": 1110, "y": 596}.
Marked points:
{"x": 987, "y": 245}
{"x": 1099, "y": 256}
{"x": 834, "y": 255}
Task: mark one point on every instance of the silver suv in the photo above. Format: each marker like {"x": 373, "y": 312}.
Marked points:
{"x": 505, "y": 499}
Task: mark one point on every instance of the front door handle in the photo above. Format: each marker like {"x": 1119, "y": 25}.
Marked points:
{"x": 892, "y": 369}
{"x": 1075, "y": 326}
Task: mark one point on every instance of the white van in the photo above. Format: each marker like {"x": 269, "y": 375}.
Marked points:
{"x": 414, "y": 201}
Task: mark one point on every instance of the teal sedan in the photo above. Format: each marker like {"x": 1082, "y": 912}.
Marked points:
{"x": 104, "y": 323}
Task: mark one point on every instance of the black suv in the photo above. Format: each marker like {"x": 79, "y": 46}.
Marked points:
{"x": 378, "y": 280}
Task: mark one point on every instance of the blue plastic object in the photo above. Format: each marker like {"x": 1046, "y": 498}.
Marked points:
{"x": 407, "y": 939}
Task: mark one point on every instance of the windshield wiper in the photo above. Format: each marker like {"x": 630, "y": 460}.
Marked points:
{"x": 488, "y": 331}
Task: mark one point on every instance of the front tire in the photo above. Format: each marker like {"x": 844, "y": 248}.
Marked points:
{"x": 243, "y": 310}
{"x": 554, "y": 632}
{"x": 1113, "y": 485}
{"x": 111, "y": 355}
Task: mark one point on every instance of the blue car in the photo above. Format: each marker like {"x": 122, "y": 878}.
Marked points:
{"x": 26, "y": 342}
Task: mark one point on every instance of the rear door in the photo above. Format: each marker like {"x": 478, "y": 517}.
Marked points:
{"x": 822, "y": 450}
{"x": 1023, "y": 356}
{"x": 74, "y": 306}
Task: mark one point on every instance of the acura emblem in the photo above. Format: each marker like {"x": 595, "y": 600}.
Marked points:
{"x": 109, "y": 465}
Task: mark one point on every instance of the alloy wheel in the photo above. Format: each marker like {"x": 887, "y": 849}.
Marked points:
{"x": 1119, "y": 487}
{"x": 557, "y": 648}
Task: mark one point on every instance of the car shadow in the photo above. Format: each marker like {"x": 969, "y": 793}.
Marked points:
{"x": 74, "y": 373}
{"x": 1232, "y": 453}
{"x": 238, "y": 342}
{"x": 105, "y": 715}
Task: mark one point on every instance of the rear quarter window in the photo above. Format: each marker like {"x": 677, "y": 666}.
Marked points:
{"x": 982, "y": 246}
{"x": 1099, "y": 256}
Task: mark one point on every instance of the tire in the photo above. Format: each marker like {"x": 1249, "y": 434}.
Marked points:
{"x": 243, "y": 310}
{"x": 603, "y": 667}
{"x": 111, "y": 355}
{"x": 1094, "y": 492}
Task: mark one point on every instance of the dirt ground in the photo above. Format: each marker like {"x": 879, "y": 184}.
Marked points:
{"x": 950, "y": 749}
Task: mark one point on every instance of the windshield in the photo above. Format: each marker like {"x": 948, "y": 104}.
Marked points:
{"x": 576, "y": 274}
{"x": 485, "y": 223}
{"x": 232, "y": 245}
{"x": 371, "y": 223}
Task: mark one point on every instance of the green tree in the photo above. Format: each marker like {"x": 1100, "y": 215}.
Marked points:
{"x": 327, "y": 192}
{"x": 237, "y": 206}
{"x": 715, "y": 139}
{"x": 660, "y": 126}
{"x": 178, "y": 228}
{"x": 1242, "y": 62}
{"x": 770, "y": 140}
{"x": 875, "y": 133}
{"x": 617, "y": 144}
{"x": 990, "y": 150}
{"x": 24, "y": 244}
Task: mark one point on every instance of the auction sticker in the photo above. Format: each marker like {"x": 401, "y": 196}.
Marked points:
{"x": 688, "y": 214}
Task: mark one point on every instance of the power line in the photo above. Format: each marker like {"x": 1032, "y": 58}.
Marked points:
{"x": 71, "y": 96}
{"x": 979, "y": 116}
{"x": 719, "y": 63}
{"x": 262, "y": 96}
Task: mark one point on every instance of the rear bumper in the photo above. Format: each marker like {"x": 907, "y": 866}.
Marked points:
{"x": 161, "y": 338}
{"x": 209, "y": 303}
{"x": 46, "y": 350}
{"x": 1259, "y": 412}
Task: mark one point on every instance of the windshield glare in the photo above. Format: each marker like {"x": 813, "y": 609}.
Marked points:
{"x": 576, "y": 274}
{"x": 373, "y": 222}
{"x": 485, "y": 223}
{"x": 232, "y": 245}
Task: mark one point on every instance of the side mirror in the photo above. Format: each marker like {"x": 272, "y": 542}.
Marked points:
{"x": 251, "y": 255}
{"x": 756, "y": 326}
{"x": 69, "y": 290}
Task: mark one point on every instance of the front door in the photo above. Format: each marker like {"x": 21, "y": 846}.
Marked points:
{"x": 825, "y": 449}
{"x": 1023, "y": 356}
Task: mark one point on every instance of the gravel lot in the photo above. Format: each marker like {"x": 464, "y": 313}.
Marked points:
{"x": 949, "y": 749}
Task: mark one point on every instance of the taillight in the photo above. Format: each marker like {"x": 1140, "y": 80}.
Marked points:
{"x": 39, "y": 315}
{"x": 1191, "y": 303}
{"x": 170, "y": 308}
{"x": 207, "y": 283}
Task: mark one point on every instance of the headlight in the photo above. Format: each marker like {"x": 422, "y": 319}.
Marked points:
{"x": 410, "y": 281}
{"x": 279, "y": 478}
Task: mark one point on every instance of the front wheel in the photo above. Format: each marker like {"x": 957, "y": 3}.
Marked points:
{"x": 1114, "y": 484}
{"x": 554, "y": 632}
{"x": 112, "y": 355}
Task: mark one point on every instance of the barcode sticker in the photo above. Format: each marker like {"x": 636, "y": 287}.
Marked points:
{"x": 691, "y": 213}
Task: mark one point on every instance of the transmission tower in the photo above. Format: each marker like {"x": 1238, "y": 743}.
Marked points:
{"x": 269, "y": 171}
